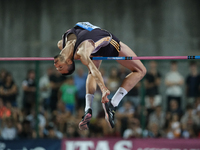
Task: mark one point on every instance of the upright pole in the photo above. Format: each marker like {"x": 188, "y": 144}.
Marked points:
{"x": 142, "y": 113}
{"x": 37, "y": 68}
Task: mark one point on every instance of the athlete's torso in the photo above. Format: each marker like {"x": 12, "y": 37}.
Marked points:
{"x": 106, "y": 44}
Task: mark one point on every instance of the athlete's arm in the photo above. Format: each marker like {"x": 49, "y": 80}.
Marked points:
{"x": 84, "y": 52}
{"x": 59, "y": 44}
{"x": 68, "y": 38}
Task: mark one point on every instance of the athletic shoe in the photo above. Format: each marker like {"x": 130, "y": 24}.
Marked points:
{"x": 109, "y": 110}
{"x": 84, "y": 124}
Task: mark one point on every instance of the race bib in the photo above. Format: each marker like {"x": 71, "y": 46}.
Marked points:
{"x": 87, "y": 26}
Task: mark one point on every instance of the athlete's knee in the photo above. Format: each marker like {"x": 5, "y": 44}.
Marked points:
{"x": 141, "y": 71}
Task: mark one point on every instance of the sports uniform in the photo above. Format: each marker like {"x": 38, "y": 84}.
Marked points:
{"x": 106, "y": 44}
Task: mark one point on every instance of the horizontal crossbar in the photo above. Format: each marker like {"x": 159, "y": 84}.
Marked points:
{"x": 101, "y": 58}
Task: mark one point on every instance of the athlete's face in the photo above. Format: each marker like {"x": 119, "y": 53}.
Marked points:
{"x": 61, "y": 66}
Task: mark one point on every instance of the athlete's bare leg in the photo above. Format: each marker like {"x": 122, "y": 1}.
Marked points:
{"x": 91, "y": 84}
{"x": 90, "y": 90}
{"x": 136, "y": 66}
{"x": 138, "y": 72}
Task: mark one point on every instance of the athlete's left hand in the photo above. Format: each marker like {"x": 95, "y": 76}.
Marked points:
{"x": 104, "y": 96}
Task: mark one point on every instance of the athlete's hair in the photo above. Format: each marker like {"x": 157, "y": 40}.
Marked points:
{"x": 71, "y": 68}
{"x": 60, "y": 57}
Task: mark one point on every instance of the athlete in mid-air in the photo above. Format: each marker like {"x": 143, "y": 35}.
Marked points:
{"x": 85, "y": 40}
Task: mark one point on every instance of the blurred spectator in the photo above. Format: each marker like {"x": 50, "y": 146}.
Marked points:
{"x": 152, "y": 83}
{"x": 122, "y": 73}
{"x": 193, "y": 83}
{"x": 173, "y": 113}
{"x": 8, "y": 129}
{"x": 96, "y": 130}
{"x": 80, "y": 83}
{"x": 152, "y": 131}
{"x": 71, "y": 130}
{"x": 67, "y": 94}
{"x": 2, "y": 75}
{"x": 158, "y": 117}
{"x": 189, "y": 131}
{"x": 197, "y": 104}
{"x": 124, "y": 114}
{"x": 37, "y": 119}
{"x": 170, "y": 128}
{"x": 61, "y": 116}
{"x": 26, "y": 130}
{"x": 134, "y": 96}
{"x": 83, "y": 133}
{"x": 51, "y": 132}
{"x": 190, "y": 123}
{"x": 17, "y": 116}
{"x": 15, "y": 111}
{"x": 174, "y": 82}
{"x": 134, "y": 130}
{"x": 56, "y": 80}
{"x": 151, "y": 104}
{"x": 45, "y": 89}
{"x": 4, "y": 111}
{"x": 8, "y": 90}
{"x": 175, "y": 125}
{"x": 167, "y": 121}
{"x": 113, "y": 81}
{"x": 108, "y": 132}
{"x": 29, "y": 89}
{"x": 198, "y": 127}
{"x": 76, "y": 117}
{"x": 190, "y": 118}
{"x": 174, "y": 108}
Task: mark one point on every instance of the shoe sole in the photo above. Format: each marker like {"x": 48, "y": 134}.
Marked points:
{"x": 83, "y": 124}
{"x": 106, "y": 116}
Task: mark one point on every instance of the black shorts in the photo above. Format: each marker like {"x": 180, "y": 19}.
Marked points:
{"x": 106, "y": 49}
{"x": 110, "y": 50}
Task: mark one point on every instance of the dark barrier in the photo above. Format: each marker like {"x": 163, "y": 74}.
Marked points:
{"x": 36, "y": 144}
{"x": 101, "y": 144}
